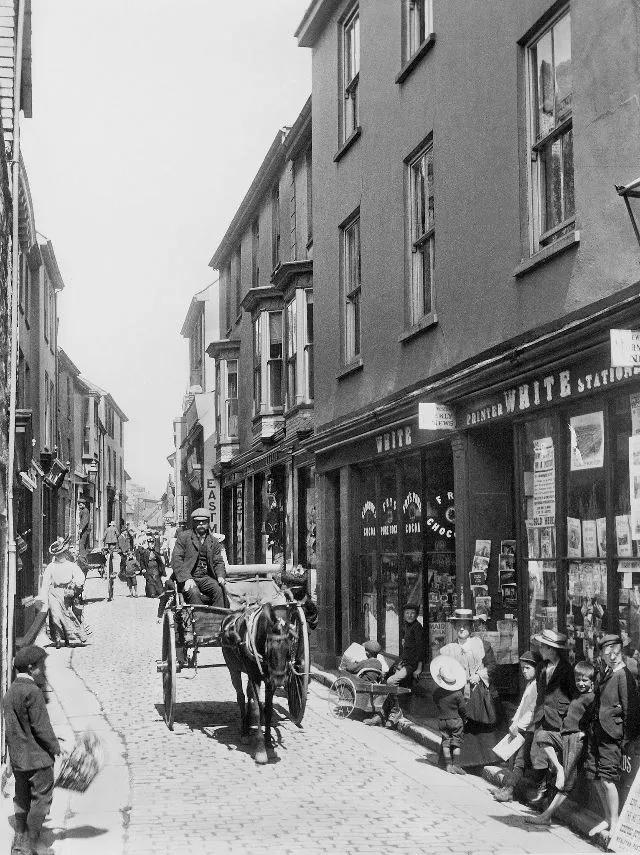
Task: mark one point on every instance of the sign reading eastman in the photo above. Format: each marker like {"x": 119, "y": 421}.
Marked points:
{"x": 563, "y": 385}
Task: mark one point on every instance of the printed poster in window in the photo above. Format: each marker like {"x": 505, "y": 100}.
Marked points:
{"x": 548, "y": 541}
{"x": 574, "y": 538}
{"x": 634, "y": 485}
{"x": 623, "y": 536}
{"x": 544, "y": 482}
{"x": 589, "y": 539}
{"x": 587, "y": 441}
{"x": 533, "y": 540}
{"x": 634, "y": 401}
{"x": 601, "y": 529}
{"x": 483, "y": 549}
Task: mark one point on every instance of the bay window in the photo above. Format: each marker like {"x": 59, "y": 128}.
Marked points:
{"x": 267, "y": 362}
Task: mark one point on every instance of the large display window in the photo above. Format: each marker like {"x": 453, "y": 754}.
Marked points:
{"x": 580, "y": 521}
{"x": 406, "y": 522}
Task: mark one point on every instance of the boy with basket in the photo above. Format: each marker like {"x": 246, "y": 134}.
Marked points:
{"x": 32, "y": 747}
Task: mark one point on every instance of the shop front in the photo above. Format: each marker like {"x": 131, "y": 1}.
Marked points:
{"x": 389, "y": 508}
{"x": 575, "y": 454}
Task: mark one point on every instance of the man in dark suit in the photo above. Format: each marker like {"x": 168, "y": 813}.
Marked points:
{"x": 32, "y": 747}
{"x": 556, "y": 689}
{"x": 197, "y": 562}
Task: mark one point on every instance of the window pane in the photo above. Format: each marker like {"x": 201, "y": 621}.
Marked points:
{"x": 562, "y": 62}
{"x": 567, "y": 174}
{"x": 275, "y": 335}
{"x": 552, "y": 178}
{"x": 275, "y": 383}
{"x": 544, "y": 94}
{"x": 427, "y": 265}
{"x": 232, "y": 379}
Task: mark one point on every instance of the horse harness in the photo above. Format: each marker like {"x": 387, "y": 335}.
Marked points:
{"x": 231, "y": 630}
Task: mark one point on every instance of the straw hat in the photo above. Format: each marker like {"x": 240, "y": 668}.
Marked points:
{"x": 462, "y": 614}
{"x": 60, "y": 544}
{"x": 552, "y": 639}
{"x": 447, "y": 673}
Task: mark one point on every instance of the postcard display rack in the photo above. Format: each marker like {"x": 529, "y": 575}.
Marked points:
{"x": 504, "y": 640}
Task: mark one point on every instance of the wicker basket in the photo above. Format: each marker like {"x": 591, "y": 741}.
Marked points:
{"x": 79, "y": 767}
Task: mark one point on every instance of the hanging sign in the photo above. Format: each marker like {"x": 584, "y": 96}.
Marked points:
{"x": 625, "y": 348}
{"x": 436, "y": 417}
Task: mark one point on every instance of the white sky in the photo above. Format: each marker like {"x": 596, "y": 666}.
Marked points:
{"x": 150, "y": 119}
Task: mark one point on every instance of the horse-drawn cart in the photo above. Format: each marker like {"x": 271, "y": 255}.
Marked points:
{"x": 189, "y": 628}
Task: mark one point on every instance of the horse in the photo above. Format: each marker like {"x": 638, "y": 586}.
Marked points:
{"x": 256, "y": 642}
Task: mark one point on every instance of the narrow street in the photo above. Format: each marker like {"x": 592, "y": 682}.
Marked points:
{"x": 332, "y": 787}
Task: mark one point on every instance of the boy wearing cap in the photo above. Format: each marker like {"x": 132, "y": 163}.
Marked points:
{"x": 450, "y": 679}
{"x": 522, "y": 724}
{"x": 369, "y": 669}
{"x": 32, "y": 747}
{"x": 615, "y": 724}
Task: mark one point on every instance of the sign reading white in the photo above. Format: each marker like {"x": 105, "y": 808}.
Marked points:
{"x": 625, "y": 348}
{"x": 436, "y": 417}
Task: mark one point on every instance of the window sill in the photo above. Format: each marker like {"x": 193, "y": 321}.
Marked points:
{"x": 357, "y": 365}
{"x": 423, "y": 325}
{"x": 414, "y": 61}
{"x": 346, "y": 145}
{"x": 546, "y": 254}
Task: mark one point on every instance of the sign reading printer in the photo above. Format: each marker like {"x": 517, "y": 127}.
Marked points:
{"x": 563, "y": 385}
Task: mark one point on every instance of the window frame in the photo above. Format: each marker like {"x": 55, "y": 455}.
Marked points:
{"x": 542, "y": 237}
{"x": 276, "y": 237}
{"x": 412, "y": 45}
{"x": 418, "y": 312}
{"x": 351, "y": 290}
{"x": 264, "y": 362}
{"x": 350, "y": 74}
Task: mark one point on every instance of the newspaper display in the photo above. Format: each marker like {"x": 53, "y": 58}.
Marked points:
{"x": 544, "y": 482}
{"x": 626, "y": 837}
{"x": 634, "y": 485}
{"x": 587, "y": 441}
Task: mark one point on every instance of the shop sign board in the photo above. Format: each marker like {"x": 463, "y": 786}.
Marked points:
{"x": 626, "y": 837}
{"x": 436, "y": 417}
{"x": 542, "y": 390}
{"x": 625, "y": 348}
{"x": 212, "y": 498}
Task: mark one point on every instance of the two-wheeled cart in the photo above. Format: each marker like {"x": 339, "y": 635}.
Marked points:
{"x": 186, "y": 629}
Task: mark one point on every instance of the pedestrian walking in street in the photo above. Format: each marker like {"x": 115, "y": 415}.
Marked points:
{"x": 32, "y": 746}
{"x": 522, "y": 724}
{"x": 152, "y": 567}
{"x": 114, "y": 568}
{"x": 125, "y": 541}
{"x": 450, "y": 679}
{"x": 568, "y": 759}
{"x": 131, "y": 572}
{"x": 84, "y": 534}
{"x": 111, "y": 535}
{"x": 61, "y": 581}
{"x": 197, "y": 562}
{"x": 478, "y": 660}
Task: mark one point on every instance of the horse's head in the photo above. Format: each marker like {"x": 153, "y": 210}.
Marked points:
{"x": 276, "y": 648}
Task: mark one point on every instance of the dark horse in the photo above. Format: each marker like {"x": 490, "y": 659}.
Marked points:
{"x": 256, "y": 642}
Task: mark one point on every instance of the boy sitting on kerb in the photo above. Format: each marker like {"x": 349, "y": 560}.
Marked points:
{"x": 575, "y": 728}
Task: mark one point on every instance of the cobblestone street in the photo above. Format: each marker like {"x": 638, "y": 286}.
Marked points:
{"x": 332, "y": 787}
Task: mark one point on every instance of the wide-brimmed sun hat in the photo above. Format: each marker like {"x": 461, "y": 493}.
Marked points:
{"x": 60, "y": 544}
{"x": 552, "y": 639}
{"x": 447, "y": 673}
{"x": 462, "y": 614}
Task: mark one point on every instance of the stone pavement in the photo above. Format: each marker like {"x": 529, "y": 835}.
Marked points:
{"x": 332, "y": 786}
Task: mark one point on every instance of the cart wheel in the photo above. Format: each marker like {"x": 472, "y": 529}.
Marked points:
{"x": 342, "y": 697}
{"x": 169, "y": 668}
{"x": 297, "y": 680}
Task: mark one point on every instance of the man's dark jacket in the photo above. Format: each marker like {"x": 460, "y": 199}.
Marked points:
{"x": 185, "y": 556}
{"x": 553, "y": 700}
{"x": 30, "y": 738}
{"x": 617, "y": 704}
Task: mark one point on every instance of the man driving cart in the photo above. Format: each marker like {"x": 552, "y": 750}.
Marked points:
{"x": 197, "y": 563}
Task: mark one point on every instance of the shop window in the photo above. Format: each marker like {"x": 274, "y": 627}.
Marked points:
{"x": 389, "y": 564}
{"x": 364, "y": 586}
{"x": 307, "y": 517}
{"x": 551, "y": 133}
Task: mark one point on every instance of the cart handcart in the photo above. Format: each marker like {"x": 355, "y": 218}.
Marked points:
{"x": 189, "y": 628}
{"x": 350, "y": 692}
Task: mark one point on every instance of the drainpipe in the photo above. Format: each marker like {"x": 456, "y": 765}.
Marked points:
{"x": 9, "y": 584}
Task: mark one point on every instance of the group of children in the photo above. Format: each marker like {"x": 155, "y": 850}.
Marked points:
{"x": 568, "y": 719}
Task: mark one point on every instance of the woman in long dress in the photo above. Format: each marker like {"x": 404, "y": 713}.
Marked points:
{"x": 60, "y": 580}
{"x": 478, "y": 660}
{"x": 152, "y": 566}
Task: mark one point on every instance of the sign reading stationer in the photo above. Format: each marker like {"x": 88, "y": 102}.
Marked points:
{"x": 543, "y": 390}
